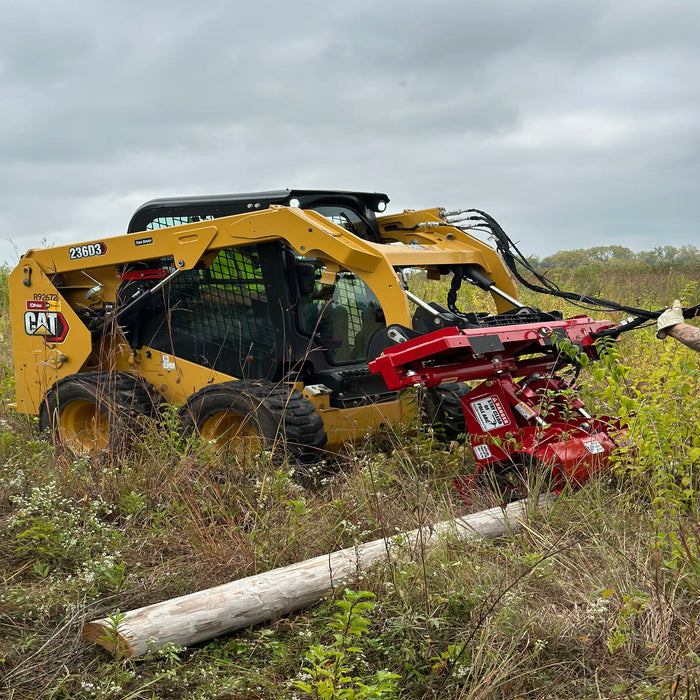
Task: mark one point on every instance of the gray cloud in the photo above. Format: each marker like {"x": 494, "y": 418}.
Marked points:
{"x": 574, "y": 123}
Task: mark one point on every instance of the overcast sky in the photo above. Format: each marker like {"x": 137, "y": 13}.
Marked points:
{"x": 574, "y": 123}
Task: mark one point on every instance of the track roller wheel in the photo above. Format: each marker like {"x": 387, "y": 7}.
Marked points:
{"x": 95, "y": 411}
{"x": 240, "y": 416}
{"x": 442, "y": 407}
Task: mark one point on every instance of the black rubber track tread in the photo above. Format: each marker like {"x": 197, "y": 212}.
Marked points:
{"x": 283, "y": 416}
{"x": 443, "y": 409}
{"x": 124, "y": 395}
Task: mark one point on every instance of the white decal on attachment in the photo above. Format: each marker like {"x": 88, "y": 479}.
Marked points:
{"x": 490, "y": 413}
{"x": 167, "y": 362}
{"x": 593, "y": 446}
{"x": 482, "y": 451}
{"x": 524, "y": 410}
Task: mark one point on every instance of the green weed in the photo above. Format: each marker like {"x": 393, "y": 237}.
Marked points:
{"x": 332, "y": 672}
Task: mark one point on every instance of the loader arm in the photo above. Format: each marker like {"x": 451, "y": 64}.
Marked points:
{"x": 429, "y": 230}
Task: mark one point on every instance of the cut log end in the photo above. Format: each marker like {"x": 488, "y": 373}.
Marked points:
{"x": 99, "y": 631}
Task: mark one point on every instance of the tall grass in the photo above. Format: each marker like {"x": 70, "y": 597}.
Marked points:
{"x": 596, "y": 598}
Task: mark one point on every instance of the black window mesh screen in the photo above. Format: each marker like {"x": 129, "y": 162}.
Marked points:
{"x": 167, "y": 221}
{"x": 350, "y": 293}
{"x": 220, "y": 316}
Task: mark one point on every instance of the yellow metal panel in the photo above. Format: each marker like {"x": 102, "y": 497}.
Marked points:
{"x": 37, "y": 313}
{"x": 344, "y": 425}
{"x": 431, "y": 255}
{"x": 174, "y": 378}
{"x": 458, "y": 245}
{"x": 186, "y": 244}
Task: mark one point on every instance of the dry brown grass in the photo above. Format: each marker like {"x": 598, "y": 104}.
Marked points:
{"x": 585, "y": 603}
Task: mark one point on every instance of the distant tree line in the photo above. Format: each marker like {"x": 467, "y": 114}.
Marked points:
{"x": 666, "y": 256}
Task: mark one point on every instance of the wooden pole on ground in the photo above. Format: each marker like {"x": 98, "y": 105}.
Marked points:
{"x": 215, "y": 611}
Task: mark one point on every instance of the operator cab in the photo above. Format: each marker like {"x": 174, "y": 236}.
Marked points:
{"x": 261, "y": 310}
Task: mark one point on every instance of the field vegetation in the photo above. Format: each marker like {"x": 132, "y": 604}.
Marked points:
{"x": 598, "y": 597}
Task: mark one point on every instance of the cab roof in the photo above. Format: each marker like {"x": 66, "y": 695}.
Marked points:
{"x": 216, "y": 206}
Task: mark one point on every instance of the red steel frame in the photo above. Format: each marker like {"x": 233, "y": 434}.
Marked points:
{"x": 521, "y": 413}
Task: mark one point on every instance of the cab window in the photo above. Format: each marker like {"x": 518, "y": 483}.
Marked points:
{"x": 348, "y": 219}
{"x": 342, "y": 316}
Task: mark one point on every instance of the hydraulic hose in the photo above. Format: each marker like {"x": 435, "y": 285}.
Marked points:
{"x": 515, "y": 260}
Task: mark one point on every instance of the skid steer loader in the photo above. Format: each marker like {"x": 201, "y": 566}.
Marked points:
{"x": 258, "y": 315}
